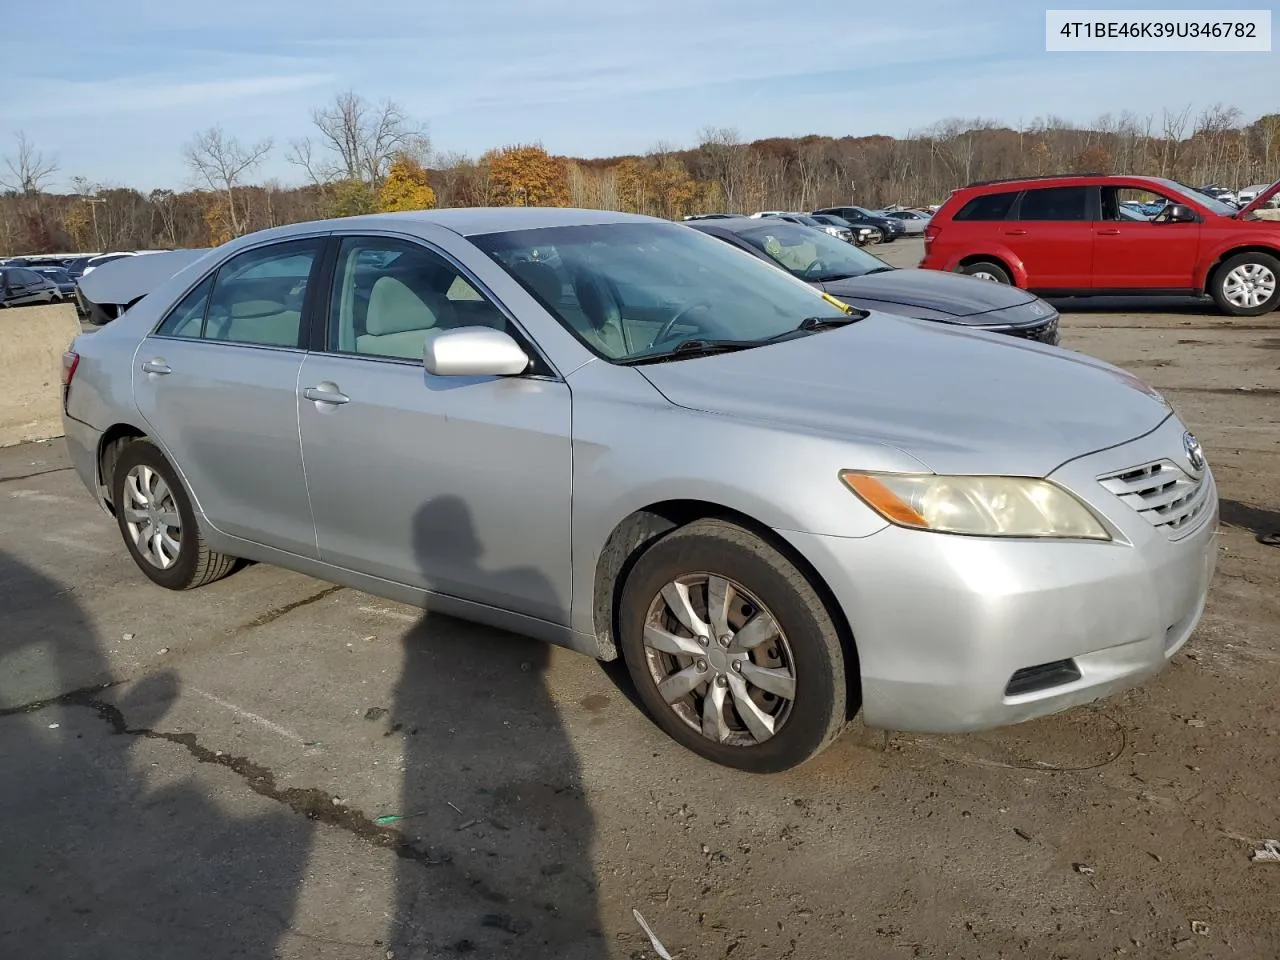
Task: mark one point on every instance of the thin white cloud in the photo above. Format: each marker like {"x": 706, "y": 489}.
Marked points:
{"x": 73, "y": 98}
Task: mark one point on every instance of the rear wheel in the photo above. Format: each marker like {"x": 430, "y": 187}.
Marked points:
{"x": 731, "y": 649}
{"x": 986, "y": 270}
{"x": 1247, "y": 285}
{"x": 158, "y": 523}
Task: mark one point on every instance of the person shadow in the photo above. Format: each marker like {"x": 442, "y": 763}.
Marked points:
{"x": 491, "y": 793}
{"x": 115, "y": 844}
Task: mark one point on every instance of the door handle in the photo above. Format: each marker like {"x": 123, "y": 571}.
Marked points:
{"x": 1109, "y": 233}
{"x": 1015, "y": 233}
{"x": 320, "y": 395}
{"x": 158, "y": 367}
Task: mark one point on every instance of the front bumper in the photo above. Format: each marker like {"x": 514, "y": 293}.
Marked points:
{"x": 943, "y": 623}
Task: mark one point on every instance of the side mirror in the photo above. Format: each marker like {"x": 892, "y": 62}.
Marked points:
{"x": 1178, "y": 213}
{"x": 473, "y": 352}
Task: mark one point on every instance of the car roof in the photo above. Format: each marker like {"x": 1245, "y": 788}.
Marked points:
{"x": 465, "y": 221}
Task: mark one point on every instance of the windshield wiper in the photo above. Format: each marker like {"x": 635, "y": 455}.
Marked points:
{"x": 885, "y": 269}
{"x": 695, "y": 347}
{"x": 814, "y": 324}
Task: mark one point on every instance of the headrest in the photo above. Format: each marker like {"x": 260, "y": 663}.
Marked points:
{"x": 395, "y": 308}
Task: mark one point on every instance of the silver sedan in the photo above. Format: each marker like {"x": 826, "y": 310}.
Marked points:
{"x": 626, "y": 437}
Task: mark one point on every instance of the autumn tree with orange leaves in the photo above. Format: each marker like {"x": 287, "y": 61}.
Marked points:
{"x": 406, "y": 187}
{"x": 526, "y": 176}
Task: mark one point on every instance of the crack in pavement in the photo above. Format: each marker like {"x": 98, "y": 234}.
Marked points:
{"x": 278, "y": 612}
{"x": 38, "y": 473}
{"x": 312, "y": 803}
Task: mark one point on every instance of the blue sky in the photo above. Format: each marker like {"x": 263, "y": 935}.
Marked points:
{"x": 116, "y": 88}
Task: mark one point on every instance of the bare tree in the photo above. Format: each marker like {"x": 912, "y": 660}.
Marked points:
{"x": 29, "y": 169}
{"x": 362, "y": 138}
{"x": 221, "y": 162}
{"x": 725, "y": 156}
{"x": 1175, "y": 125}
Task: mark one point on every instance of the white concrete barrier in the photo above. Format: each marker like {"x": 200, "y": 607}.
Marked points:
{"x": 32, "y": 341}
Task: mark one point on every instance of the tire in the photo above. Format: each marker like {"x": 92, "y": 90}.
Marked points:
{"x": 1247, "y": 285}
{"x": 193, "y": 564}
{"x": 986, "y": 270}
{"x": 805, "y": 650}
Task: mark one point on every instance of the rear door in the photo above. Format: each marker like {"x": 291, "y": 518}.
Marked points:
{"x": 1141, "y": 254}
{"x": 1053, "y": 236}
{"x": 217, "y": 382}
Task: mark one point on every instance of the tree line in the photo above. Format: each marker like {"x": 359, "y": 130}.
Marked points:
{"x": 366, "y": 157}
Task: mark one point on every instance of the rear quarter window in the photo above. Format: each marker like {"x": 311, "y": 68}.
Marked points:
{"x": 990, "y": 206}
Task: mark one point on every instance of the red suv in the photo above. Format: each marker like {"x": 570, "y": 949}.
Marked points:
{"x": 1089, "y": 235}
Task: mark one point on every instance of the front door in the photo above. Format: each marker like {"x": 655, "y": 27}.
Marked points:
{"x": 459, "y": 485}
{"x": 217, "y": 382}
{"x": 1132, "y": 252}
{"x": 1052, "y": 234}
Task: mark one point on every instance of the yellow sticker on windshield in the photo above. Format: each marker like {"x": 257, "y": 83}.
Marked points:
{"x": 838, "y": 304}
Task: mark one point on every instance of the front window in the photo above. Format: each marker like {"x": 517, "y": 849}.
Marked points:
{"x": 1212, "y": 204}
{"x": 628, "y": 290}
{"x": 812, "y": 255}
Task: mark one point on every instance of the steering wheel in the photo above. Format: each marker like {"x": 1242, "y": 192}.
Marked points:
{"x": 816, "y": 268}
{"x": 667, "y": 327}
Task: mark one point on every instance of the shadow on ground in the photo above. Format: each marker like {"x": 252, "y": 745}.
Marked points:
{"x": 107, "y": 850}
{"x": 124, "y": 838}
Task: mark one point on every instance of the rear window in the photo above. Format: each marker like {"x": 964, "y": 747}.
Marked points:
{"x": 990, "y": 206}
{"x": 1055, "y": 203}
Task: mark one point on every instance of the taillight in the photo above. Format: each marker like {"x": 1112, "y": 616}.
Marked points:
{"x": 930, "y": 232}
{"x": 70, "y": 360}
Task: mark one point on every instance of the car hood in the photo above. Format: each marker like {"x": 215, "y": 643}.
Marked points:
{"x": 944, "y": 295}
{"x": 1260, "y": 199}
{"x": 957, "y": 400}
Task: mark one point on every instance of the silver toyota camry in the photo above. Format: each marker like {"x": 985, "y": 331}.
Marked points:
{"x": 618, "y": 434}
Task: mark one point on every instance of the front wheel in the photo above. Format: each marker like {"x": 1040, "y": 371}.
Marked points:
{"x": 986, "y": 270}
{"x": 1247, "y": 285}
{"x": 158, "y": 523}
{"x": 732, "y": 651}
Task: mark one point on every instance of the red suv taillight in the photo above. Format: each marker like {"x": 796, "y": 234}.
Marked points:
{"x": 930, "y": 232}
{"x": 70, "y": 360}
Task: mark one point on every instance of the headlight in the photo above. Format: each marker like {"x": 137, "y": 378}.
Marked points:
{"x": 977, "y": 506}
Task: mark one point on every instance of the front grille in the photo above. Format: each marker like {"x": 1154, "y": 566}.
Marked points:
{"x": 1043, "y": 333}
{"x": 1163, "y": 493}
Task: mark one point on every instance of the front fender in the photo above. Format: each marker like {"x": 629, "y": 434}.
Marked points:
{"x": 783, "y": 478}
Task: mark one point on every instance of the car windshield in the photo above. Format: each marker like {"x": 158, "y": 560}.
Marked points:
{"x": 630, "y": 290}
{"x": 811, "y": 254}
{"x": 55, "y": 273}
{"x": 1212, "y": 203}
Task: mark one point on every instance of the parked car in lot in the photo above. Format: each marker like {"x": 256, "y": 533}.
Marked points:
{"x": 65, "y": 283}
{"x": 21, "y": 286}
{"x": 845, "y": 233}
{"x": 860, "y": 279}
{"x": 1068, "y": 236}
{"x": 863, "y": 233}
{"x": 890, "y": 227}
{"x": 913, "y": 221}
{"x": 621, "y": 435}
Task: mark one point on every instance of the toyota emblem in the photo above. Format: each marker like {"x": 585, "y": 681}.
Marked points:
{"x": 1195, "y": 453}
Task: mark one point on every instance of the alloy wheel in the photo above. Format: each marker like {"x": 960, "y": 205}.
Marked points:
{"x": 719, "y": 659}
{"x": 151, "y": 517}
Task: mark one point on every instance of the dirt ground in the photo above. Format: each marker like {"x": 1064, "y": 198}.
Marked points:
{"x": 198, "y": 775}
